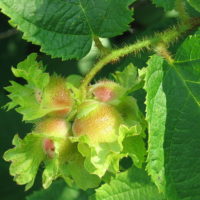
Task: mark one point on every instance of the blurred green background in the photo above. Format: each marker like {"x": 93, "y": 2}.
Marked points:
{"x": 14, "y": 49}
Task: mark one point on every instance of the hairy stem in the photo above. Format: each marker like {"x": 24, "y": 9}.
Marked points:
{"x": 114, "y": 56}
{"x": 165, "y": 38}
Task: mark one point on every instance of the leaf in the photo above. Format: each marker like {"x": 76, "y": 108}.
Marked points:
{"x": 103, "y": 157}
{"x": 66, "y": 28}
{"x": 131, "y": 113}
{"x": 25, "y": 159}
{"x": 51, "y": 172}
{"x": 156, "y": 117}
{"x": 195, "y": 4}
{"x": 130, "y": 78}
{"x": 173, "y": 113}
{"x": 26, "y": 98}
{"x": 32, "y": 71}
{"x": 75, "y": 80}
{"x": 133, "y": 184}
{"x": 188, "y": 51}
{"x": 64, "y": 152}
{"x": 82, "y": 178}
{"x": 167, "y": 4}
{"x": 58, "y": 191}
{"x": 134, "y": 146}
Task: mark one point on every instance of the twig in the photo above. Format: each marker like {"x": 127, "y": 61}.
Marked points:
{"x": 8, "y": 33}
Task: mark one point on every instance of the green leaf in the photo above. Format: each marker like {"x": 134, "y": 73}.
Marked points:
{"x": 75, "y": 80}
{"x": 58, "y": 191}
{"x": 32, "y": 71}
{"x": 133, "y": 184}
{"x": 82, "y": 178}
{"x": 167, "y": 4}
{"x": 130, "y": 78}
{"x": 51, "y": 172}
{"x": 26, "y": 98}
{"x": 173, "y": 113}
{"x": 134, "y": 146}
{"x": 65, "y": 151}
{"x": 66, "y": 28}
{"x": 188, "y": 50}
{"x": 131, "y": 113}
{"x": 156, "y": 117}
{"x": 26, "y": 157}
{"x": 103, "y": 157}
{"x": 195, "y": 4}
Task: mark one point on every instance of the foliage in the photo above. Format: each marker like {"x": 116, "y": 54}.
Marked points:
{"x": 74, "y": 21}
{"x": 133, "y": 184}
{"x": 58, "y": 191}
{"x": 130, "y": 134}
{"x": 173, "y": 88}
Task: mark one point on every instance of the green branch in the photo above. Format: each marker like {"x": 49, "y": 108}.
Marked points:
{"x": 114, "y": 56}
{"x": 166, "y": 38}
